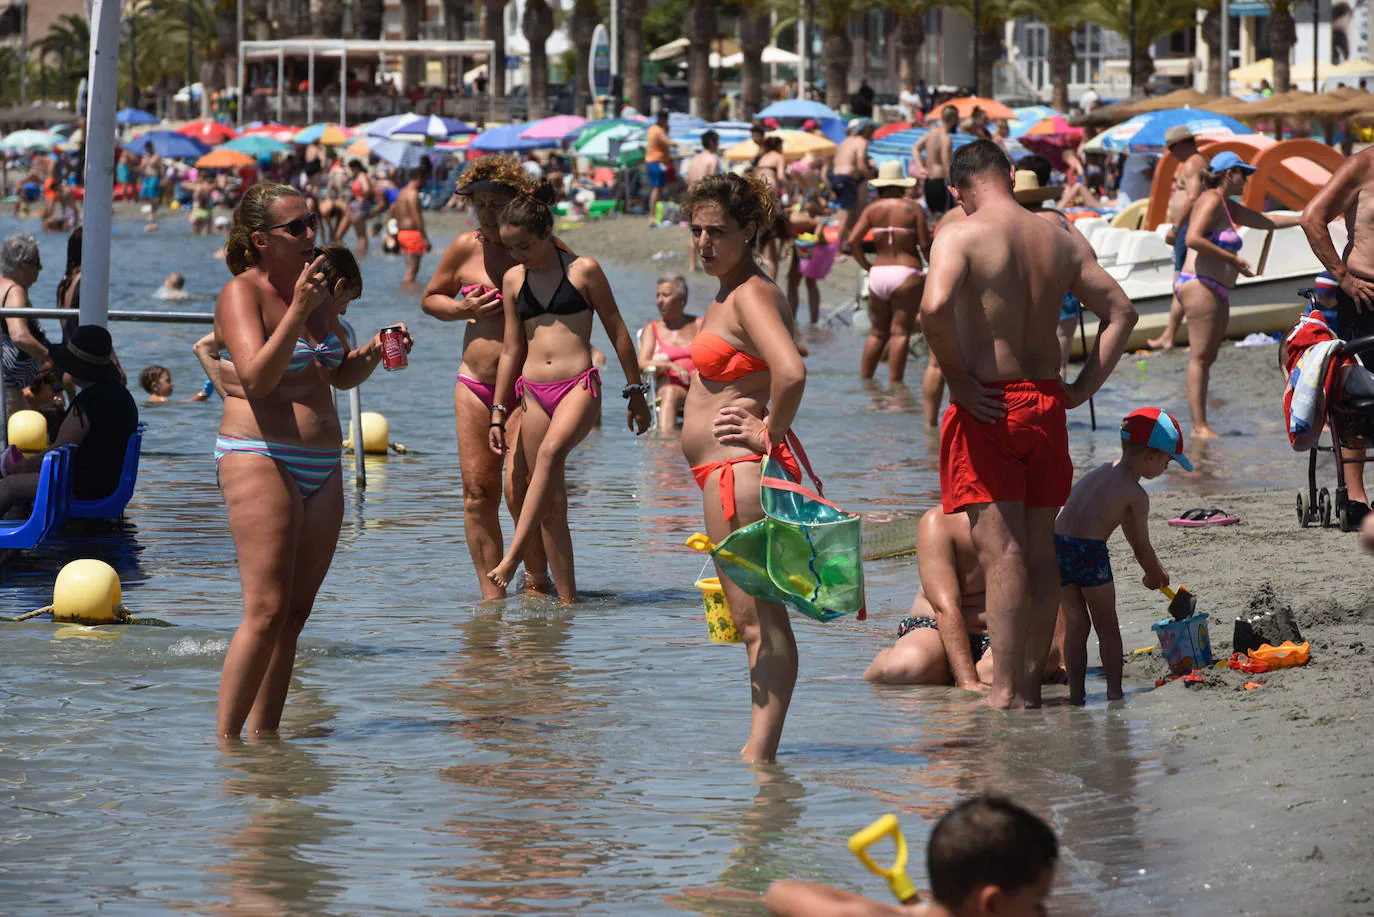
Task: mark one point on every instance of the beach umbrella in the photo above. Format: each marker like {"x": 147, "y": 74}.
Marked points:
{"x": 134, "y": 116}
{"x": 1053, "y": 131}
{"x": 29, "y": 141}
{"x": 507, "y": 139}
{"x": 1023, "y": 119}
{"x": 170, "y": 145}
{"x": 405, "y": 127}
{"x": 891, "y": 127}
{"x": 597, "y": 145}
{"x": 1179, "y": 98}
{"x": 1145, "y": 133}
{"x": 210, "y": 133}
{"x": 994, "y": 109}
{"x": 396, "y": 153}
{"x": 225, "y": 159}
{"x": 556, "y": 128}
{"x": 280, "y": 132}
{"x": 323, "y": 134}
{"x": 771, "y": 55}
{"x": 800, "y": 108}
{"x": 795, "y": 145}
{"x": 257, "y": 145}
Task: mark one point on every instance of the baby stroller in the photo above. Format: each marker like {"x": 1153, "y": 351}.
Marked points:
{"x": 1327, "y": 388}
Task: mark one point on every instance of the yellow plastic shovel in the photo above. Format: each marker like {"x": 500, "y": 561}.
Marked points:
{"x": 896, "y": 873}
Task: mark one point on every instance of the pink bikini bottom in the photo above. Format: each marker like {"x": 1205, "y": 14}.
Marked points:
{"x": 884, "y": 280}
{"x": 548, "y": 395}
{"x": 484, "y": 392}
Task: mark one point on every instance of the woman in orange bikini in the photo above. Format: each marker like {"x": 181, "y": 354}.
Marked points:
{"x": 467, "y": 288}
{"x": 551, "y": 299}
{"x": 665, "y": 348}
{"x": 746, "y": 361}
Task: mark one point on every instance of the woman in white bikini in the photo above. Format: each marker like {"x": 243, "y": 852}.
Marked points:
{"x": 896, "y": 277}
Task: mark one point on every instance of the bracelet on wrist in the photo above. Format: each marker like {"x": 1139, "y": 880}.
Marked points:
{"x": 499, "y": 426}
{"x": 501, "y": 408}
{"x": 634, "y": 388}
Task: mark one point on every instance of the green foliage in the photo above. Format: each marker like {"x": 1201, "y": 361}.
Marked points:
{"x": 664, "y": 23}
{"x": 1154, "y": 19}
{"x": 992, "y": 14}
{"x": 1058, "y": 16}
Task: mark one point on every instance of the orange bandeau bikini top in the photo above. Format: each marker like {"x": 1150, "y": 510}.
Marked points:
{"x": 717, "y": 360}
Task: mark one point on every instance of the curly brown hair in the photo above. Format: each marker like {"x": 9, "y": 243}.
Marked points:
{"x": 744, "y": 199}
{"x": 504, "y": 169}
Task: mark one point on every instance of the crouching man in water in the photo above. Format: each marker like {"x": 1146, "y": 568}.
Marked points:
{"x": 990, "y": 312}
{"x": 945, "y": 639}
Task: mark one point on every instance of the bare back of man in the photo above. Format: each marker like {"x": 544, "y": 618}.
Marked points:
{"x": 410, "y": 225}
{"x": 990, "y": 311}
{"x": 1187, "y": 187}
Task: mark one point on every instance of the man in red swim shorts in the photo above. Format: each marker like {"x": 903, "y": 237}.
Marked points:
{"x": 990, "y": 311}
{"x": 410, "y": 221}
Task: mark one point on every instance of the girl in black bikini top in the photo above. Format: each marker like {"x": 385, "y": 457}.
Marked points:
{"x": 565, "y": 300}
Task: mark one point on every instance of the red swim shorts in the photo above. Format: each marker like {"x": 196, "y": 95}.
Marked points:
{"x": 1024, "y": 456}
{"x": 412, "y": 241}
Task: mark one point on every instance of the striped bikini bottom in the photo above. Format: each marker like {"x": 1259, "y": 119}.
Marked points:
{"x": 309, "y": 468}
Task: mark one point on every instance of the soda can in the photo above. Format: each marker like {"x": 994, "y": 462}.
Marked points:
{"x": 394, "y": 354}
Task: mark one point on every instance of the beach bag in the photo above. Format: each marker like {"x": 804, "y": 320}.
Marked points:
{"x": 805, "y": 552}
{"x": 815, "y": 259}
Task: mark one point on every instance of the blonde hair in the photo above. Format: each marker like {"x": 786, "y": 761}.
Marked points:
{"x": 253, "y": 214}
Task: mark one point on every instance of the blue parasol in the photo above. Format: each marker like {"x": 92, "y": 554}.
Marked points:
{"x": 134, "y": 116}
{"x": 507, "y": 139}
{"x": 1145, "y": 133}
{"x": 169, "y": 145}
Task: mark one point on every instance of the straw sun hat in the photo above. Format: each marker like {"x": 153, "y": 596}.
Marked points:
{"x": 1027, "y": 189}
{"x": 890, "y": 176}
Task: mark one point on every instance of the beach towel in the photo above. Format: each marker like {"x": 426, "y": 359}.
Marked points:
{"x": 1307, "y": 355}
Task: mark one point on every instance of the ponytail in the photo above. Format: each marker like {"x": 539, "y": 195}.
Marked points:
{"x": 253, "y": 214}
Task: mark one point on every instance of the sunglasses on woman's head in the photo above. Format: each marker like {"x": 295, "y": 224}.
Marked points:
{"x": 299, "y": 225}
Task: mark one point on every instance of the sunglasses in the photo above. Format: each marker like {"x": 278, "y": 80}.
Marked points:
{"x": 299, "y": 226}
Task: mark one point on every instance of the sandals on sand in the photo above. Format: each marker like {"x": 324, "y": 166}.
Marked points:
{"x": 1196, "y": 518}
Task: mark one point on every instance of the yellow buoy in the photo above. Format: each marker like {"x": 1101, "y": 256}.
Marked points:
{"x": 376, "y": 433}
{"x": 87, "y": 592}
{"x": 29, "y": 431}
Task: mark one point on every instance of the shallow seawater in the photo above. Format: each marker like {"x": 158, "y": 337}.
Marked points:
{"x": 444, "y": 757}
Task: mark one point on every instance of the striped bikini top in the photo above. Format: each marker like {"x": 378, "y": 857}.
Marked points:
{"x": 329, "y": 352}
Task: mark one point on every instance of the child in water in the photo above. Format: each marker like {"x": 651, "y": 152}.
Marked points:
{"x": 987, "y": 856}
{"x": 174, "y": 287}
{"x": 157, "y": 382}
{"x": 1108, "y": 497}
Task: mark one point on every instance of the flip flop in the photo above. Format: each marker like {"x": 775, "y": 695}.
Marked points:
{"x": 1196, "y": 518}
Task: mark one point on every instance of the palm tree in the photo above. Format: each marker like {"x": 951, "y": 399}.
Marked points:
{"x": 368, "y": 18}
{"x": 585, "y": 16}
{"x": 701, "y": 29}
{"x": 1061, "y": 19}
{"x": 537, "y": 25}
{"x": 69, "y": 41}
{"x": 1154, "y": 19}
{"x": 754, "y": 32}
{"x": 1282, "y": 33}
{"x": 910, "y": 36}
{"x": 1211, "y": 36}
{"x": 837, "y": 50}
{"x": 991, "y": 23}
{"x": 412, "y": 14}
{"x": 329, "y": 18}
{"x": 632, "y": 50}
{"x": 494, "y": 31}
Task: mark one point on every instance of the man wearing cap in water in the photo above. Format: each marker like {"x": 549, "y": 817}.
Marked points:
{"x": 1188, "y": 184}
{"x": 849, "y": 173}
{"x": 993, "y": 295}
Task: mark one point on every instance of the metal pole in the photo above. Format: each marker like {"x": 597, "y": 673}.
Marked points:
{"x": 1316, "y": 16}
{"x": 343, "y": 88}
{"x": 239, "y": 47}
{"x": 103, "y": 78}
{"x": 977, "y": 45}
{"x": 355, "y": 430}
{"x": 1131, "y": 75}
{"x": 615, "y": 43}
{"x": 310, "y": 87}
{"x": 281, "y": 81}
{"x": 24, "y": 55}
{"x": 1225, "y": 49}
{"x": 190, "y": 62}
{"x": 134, "y": 98}
{"x": 803, "y": 48}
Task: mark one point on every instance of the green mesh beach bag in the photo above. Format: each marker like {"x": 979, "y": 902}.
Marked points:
{"x": 805, "y": 552}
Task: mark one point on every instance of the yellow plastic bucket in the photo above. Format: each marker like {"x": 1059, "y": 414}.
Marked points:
{"x": 719, "y": 624}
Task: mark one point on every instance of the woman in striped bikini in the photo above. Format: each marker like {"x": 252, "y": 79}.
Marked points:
{"x": 279, "y": 442}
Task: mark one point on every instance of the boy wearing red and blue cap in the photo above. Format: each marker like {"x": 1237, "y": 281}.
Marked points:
{"x": 1326, "y": 287}
{"x": 1104, "y": 499}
